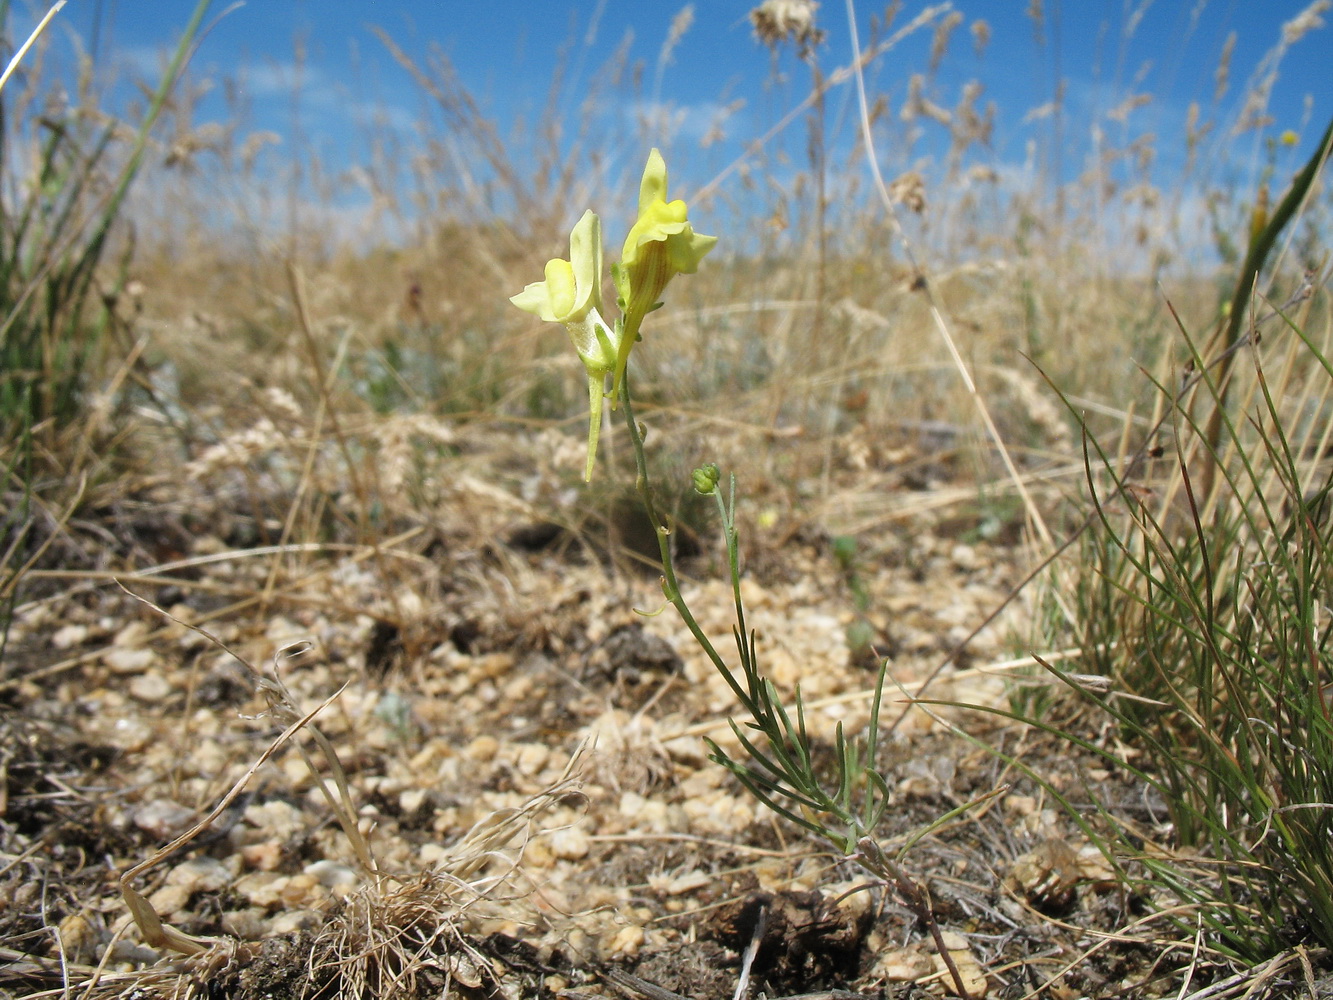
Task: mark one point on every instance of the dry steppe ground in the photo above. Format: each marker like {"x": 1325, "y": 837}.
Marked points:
{"x": 483, "y": 662}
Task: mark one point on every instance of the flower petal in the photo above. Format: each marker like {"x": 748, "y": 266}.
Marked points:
{"x": 653, "y": 186}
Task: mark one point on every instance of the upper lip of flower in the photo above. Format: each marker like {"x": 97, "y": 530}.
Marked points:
{"x": 572, "y": 288}
{"x": 664, "y": 221}
{"x": 660, "y": 245}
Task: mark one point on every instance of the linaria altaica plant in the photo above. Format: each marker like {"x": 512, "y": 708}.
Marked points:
{"x": 781, "y": 770}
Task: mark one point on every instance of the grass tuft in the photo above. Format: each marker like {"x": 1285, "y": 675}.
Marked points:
{"x": 1207, "y": 617}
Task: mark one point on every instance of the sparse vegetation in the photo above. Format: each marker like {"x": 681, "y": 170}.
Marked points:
{"x": 222, "y": 436}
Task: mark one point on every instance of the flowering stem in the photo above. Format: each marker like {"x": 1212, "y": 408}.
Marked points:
{"x": 783, "y": 777}
{"x": 670, "y": 585}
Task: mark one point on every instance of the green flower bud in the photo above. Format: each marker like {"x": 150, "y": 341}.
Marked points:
{"x": 705, "y": 478}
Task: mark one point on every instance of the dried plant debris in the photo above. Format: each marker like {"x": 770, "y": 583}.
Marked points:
{"x": 797, "y": 939}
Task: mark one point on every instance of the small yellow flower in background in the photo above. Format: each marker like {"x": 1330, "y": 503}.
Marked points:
{"x": 661, "y": 244}
{"x": 572, "y": 296}
{"x": 1289, "y": 138}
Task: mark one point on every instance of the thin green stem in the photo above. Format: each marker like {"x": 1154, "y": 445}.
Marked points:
{"x": 670, "y": 585}
{"x": 790, "y": 765}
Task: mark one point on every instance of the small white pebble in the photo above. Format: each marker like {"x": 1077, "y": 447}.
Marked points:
{"x": 903, "y": 966}
{"x": 626, "y": 942}
{"x": 331, "y": 874}
{"x": 265, "y": 855}
{"x": 123, "y": 660}
{"x": 571, "y": 843}
{"x": 132, "y": 636}
{"x": 964, "y": 557}
{"x": 36, "y": 616}
{"x": 262, "y": 888}
{"x": 1021, "y": 805}
{"x": 953, "y": 940}
{"x": 247, "y": 924}
{"x": 162, "y": 818}
{"x": 652, "y": 814}
{"x": 688, "y": 882}
{"x": 278, "y": 819}
{"x": 200, "y": 875}
{"x": 132, "y": 735}
{"x": 291, "y": 921}
{"x": 303, "y": 890}
{"x": 149, "y": 688}
{"x": 169, "y": 899}
{"x": 483, "y": 748}
{"x": 430, "y": 855}
{"x": 411, "y": 800}
{"x": 531, "y": 759}
{"x": 283, "y": 630}
{"x": 80, "y": 936}
{"x": 538, "y": 854}
{"x": 69, "y": 636}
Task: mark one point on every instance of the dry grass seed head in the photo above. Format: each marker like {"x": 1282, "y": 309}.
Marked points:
{"x": 980, "y": 36}
{"x": 778, "y": 21}
{"x": 1222, "y": 75}
{"x": 1305, "y": 22}
{"x": 909, "y": 190}
{"x": 939, "y": 44}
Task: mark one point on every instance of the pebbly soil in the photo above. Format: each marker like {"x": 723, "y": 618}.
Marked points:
{"x": 524, "y": 753}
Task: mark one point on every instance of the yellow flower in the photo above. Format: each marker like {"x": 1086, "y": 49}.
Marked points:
{"x": 572, "y": 296}
{"x": 661, "y": 244}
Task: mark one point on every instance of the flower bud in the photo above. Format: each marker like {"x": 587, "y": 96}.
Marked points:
{"x": 706, "y": 478}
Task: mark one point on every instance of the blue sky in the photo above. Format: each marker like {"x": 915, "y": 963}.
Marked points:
{"x": 507, "y": 54}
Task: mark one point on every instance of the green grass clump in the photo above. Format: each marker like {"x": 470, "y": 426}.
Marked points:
{"x": 1200, "y": 604}
{"x": 53, "y": 238}
{"x": 1208, "y": 613}
{"x": 66, "y": 174}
